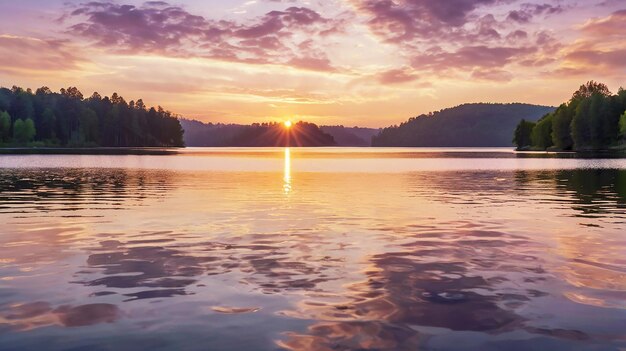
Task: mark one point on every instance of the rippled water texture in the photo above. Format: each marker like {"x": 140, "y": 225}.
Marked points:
{"x": 330, "y": 249}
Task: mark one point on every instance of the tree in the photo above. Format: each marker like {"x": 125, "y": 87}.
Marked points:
{"x": 45, "y": 129}
{"x": 88, "y": 126}
{"x": 22, "y": 105}
{"x": 140, "y": 105}
{"x": 67, "y": 118}
{"x": 622, "y": 126}
{"x": 588, "y": 89}
{"x": 581, "y": 125}
{"x": 602, "y": 124}
{"x": 541, "y": 136}
{"x": 621, "y": 99}
{"x": 24, "y": 131}
{"x": 522, "y": 134}
{"x": 5, "y": 126}
{"x": 43, "y": 91}
{"x": 561, "y": 127}
{"x": 73, "y": 93}
{"x": 95, "y": 96}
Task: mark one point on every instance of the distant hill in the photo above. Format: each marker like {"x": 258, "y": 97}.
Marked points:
{"x": 208, "y": 134}
{"x": 351, "y": 136}
{"x": 468, "y": 125}
{"x": 256, "y": 135}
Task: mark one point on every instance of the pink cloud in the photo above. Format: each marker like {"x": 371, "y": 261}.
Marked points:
{"x": 312, "y": 63}
{"x": 494, "y": 74}
{"x": 36, "y": 55}
{"x": 469, "y": 57}
{"x": 157, "y": 27}
{"x": 601, "y": 49}
{"x": 613, "y": 25}
{"x": 397, "y": 76}
{"x": 418, "y": 19}
{"x": 612, "y": 58}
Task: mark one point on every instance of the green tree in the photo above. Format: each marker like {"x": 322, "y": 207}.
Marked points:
{"x": 603, "y": 121}
{"x": 67, "y": 118}
{"x": 581, "y": 125}
{"x": 5, "y": 126}
{"x": 22, "y": 106}
{"x": 541, "y": 136}
{"x": 522, "y": 134}
{"x": 88, "y": 126}
{"x": 46, "y": 126}
{"x": 622, "y": 126}
{"x": 24, "y": 131}
{"x": 561, "y": 127}
{"x": 590, "y": 88}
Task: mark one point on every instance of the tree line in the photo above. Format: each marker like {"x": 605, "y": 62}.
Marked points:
{"x": 593, "y": 119}
{"x": 273, "y": 134}
{"x": 66, "y": 119}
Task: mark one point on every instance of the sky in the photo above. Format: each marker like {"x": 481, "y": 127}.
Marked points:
{"x": 352, "y": 62}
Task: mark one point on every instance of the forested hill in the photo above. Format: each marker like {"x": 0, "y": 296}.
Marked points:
{"x": 254, "y": 135}
{"x": 468, "y": 125}
{"x": 67, "y": 119}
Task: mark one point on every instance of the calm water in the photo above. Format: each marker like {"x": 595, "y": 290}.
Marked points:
{"x": 327, "y": 249}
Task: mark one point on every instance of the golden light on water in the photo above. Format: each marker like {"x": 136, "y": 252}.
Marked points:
{"x": 287, "y": 172}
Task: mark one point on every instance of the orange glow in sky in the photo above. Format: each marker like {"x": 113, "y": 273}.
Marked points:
{"x": 348, "y": 62}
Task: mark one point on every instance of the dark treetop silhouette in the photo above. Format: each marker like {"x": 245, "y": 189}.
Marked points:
{"x": 593, "y": 119}
{"x": 67, "y": 119}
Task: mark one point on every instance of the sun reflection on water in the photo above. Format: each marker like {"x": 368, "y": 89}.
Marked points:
{"x": 287, "y": 172}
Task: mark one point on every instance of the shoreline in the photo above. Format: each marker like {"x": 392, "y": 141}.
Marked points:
{"x": 90, "y": 151}
{"x": 168, "y": 151}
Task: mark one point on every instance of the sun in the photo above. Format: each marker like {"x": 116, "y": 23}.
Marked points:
{"x": 287, "y": 124}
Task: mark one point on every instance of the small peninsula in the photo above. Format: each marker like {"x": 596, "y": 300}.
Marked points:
{"x": 593, "y": 119}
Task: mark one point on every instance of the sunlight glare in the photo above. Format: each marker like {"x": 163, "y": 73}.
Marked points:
{"x": 287, "y": 174}
{"x": 287, "y": 124}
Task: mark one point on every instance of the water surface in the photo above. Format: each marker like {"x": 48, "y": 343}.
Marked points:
{"x": 313, "y": 249}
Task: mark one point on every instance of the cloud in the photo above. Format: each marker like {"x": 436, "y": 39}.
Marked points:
{"x": 610, "y": 26}
{"x": 469, "y": 57}
{"x": 36, "y": 56}
{"x": 528, "y": 11}
{"x": 601, "y": 49}
{"x": 312, "y": 63}
{"x": 614, "y": 59}
{"x": 405, "y": 20}
{"x": 397, "y": 76}
{"x": 158, "y": 27}
{"x": 492, "y": 75}
{"x": 462, "y": 35}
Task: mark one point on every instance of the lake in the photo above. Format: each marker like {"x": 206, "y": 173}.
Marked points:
{"x": 313, "y": 249}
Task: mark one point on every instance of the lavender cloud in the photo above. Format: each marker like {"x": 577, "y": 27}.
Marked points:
{"x": 462, "y": 35}
{"x": 158, "y": 27}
